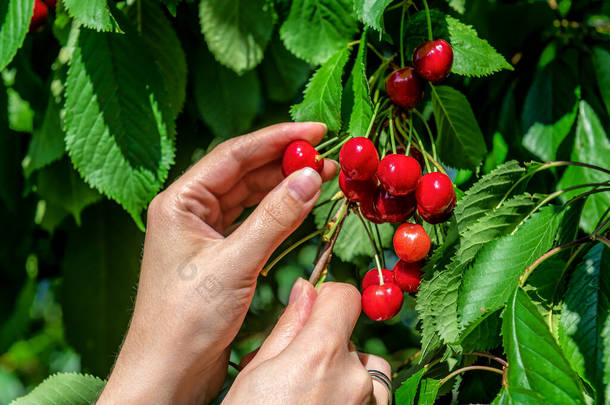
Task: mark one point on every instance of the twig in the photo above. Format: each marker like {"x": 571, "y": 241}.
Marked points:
{"x": 463, "y": 369}
{"x": 489, "y": 356}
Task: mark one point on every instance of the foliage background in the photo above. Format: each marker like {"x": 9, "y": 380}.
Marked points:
{"x": 69, "y": 256}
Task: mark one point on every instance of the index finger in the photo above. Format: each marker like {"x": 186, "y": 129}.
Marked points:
{"x": 232, "y": 159}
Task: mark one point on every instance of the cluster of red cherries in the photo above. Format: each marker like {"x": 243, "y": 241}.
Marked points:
{"x": 41, "y": 13}
{"x": 392, "y": 189}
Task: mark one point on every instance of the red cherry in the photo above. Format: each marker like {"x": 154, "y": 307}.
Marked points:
{"x": 372, "y": 278}
{"x": 367, "y": 207}
{"x": 411, "y": 242}
{"x": 398, "y": 174}
{"x": 433, "y": 60}
{"x": 414, "y": 153}
{"x": 39, "y": 18}
{"x": 298, "y": 155}
{"x": 391, "y": 208}
{"x": 435, "y": 197}
{"x": 381, "y": 302}
{"x": 359, "y": 158}
{"x": 407, "y": 275}
{"x": 404, "y": 88}
{"x": 51, "y": 3}
{"x": 356, "y": 190}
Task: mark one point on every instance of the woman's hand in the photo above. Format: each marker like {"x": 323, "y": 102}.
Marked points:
{"x": 308, "y": 358}
{"x": 196, "y": 283}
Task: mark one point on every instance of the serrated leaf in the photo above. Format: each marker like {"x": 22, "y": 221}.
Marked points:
{"x": 160, "y": 37}
{"x": 317, "y": 29}
{"x": 119, "y": 124}
{"x": 518, "y": 396}
{"x": 283, "y": 73}
{"x": 322, "y": 98}
{"x": 601, "y": 63}
{"x": 217, "y": 90}
{"x": 405, "y": 394}
{"x": 237, "y": 32}
{"x": 483, "y": 337}
{"x": 535, "y": 360}
{"x": 64, "y": 389}
{"x": 370, "y": 12}
{"x": 585, "y": 316}
{"x": 47, "y": 143}
{"x": 592, "y": 146}
{"x": 488, "y": 284}
{"x": 441, "y": 291}
{"x": 99, "y": 257}
{"x": 362, "y": 111}
{"x": 473, "y": 56}
{"x": 458, "y": 5}
{"x": 460, "y": 142}
{"x": 14, "y": 26}
{"x": 428, "y": 390}
{"x": 93, "y": 14}
{"x": 550, "y": 109}
{"x": 352, "y": 241}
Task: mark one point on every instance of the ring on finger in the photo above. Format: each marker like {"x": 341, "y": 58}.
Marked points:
{"x": 383, "y": 379}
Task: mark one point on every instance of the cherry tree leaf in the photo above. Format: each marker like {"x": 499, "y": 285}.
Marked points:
{"x": 237, "y": 32}
{"x": 315, "y": 30}
{"x": 370, "y": 12}
{"x": 601, "y": 63}
{"x": 362, "y": 110}
{"x": 64, "y": 389}
{"x": 14, "y": 26}
{"x": 93, "y": 14}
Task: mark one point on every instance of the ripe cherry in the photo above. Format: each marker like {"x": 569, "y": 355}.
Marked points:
{"x": 433, "y": 60}
{"x": 359, "y": 158}
{"x": 391, "y": 208}
{"x": 404, "y": 87}
{"x": 407, "y": 275}
{"x": 372, "y": 278}
{"x": 414, "y": 153}
{"x": 411, "y": 242}
{"x": 356, "y": 190}
{"x": 367, "y": 207}
{"x": 398, "y": 174}
{"x": 435, "y": 197}
{"x": 298, "y": 155}
{"x": 39, "y": 18}
{"x": 381, "y": 302}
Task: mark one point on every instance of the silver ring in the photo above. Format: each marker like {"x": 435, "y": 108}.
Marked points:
{"x": 383, "y": 379}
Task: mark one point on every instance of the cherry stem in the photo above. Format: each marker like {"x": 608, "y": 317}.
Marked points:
{"x": 489, "y": 356}
{"x": 327, "y": 251}
{"x": 601, "y": 223}
{"x": 380, "y": 244}
{"x": 428, "y": 21}
{"x": 408, "y": 150}
{"x": 370, "y": 127}
{"x": 392, "y": 135}
{"x": 379, "y": 54}
{"x": 326, "y": 143}
{"x": 469, "y": 368}
{"x": 423, "y": 119}
{"x": 298, "y": 243}
{"x": 333, "y": 149}
{"x": 366, "y": 228}
{"x": 402, "y": 34}
{"x": 588, "y": 193}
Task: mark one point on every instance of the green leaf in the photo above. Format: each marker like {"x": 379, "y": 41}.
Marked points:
{"x": 60, "y": 185}
{"x": 47, "y": 143}
{"x": 283, "y": 73}
{"x": 237, "y": 32}
{"x": 473, "y": 56}
{"x": 488, "y": 284}
{"x": 438, "y": 296}
{"x": 99, "y": 271}
{"x": 227, "y": 102}
{"x": 352, "y": 241}
{"x": 498, "y": 153}
{"x": 119, "y": 124}
{"x": 64, "y": 389}
{"x": 171, "y": 5}
{"x": 535, "y": 360}
{"x": 518, "y": 396}
{"x": 483, "y": 337}
{"x": 370, "y": 12}
{"x": 93, "y": 14}
{"x": 14, "y": 26}
{"x": 601, "y": 63}
{"x": 590, "y": 146}
{"x": 585, "y": 315}
{"x": 405, "y": 394}
{"x": 458, "y": 5}
{"x": 550, "y": 109}
{"x": 460, "y": 141}
{"x": 362, "y": 111}
{"x": 160, "y": 37}
{"x": 428, "y": 390}
{"x": 317, "y": 29}
{"x": 322, "y": 99}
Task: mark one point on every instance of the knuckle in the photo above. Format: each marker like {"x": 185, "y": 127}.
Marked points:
{"x": 345, "y": 293}
{"x": 362, "y": 380}
{"x": 156, "y": 207}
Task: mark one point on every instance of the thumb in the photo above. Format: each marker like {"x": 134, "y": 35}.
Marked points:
{"x": 276, "y": 217}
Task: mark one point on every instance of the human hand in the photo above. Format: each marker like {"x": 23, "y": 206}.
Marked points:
{"x": 196, "y": 283}
{"x": 308, "y": 357}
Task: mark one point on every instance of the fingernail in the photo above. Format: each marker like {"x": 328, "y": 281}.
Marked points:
{"x": 325, "y": 127}
{"x": 304, "y": 184}
{"x": 296, "y": 290}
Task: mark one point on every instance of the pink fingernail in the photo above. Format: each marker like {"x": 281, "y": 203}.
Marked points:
{"x": 296, "y": 290}
{"x": 304, "y": 184}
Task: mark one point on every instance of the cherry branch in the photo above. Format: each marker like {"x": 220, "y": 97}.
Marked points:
{"x": 469, "y": 368}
